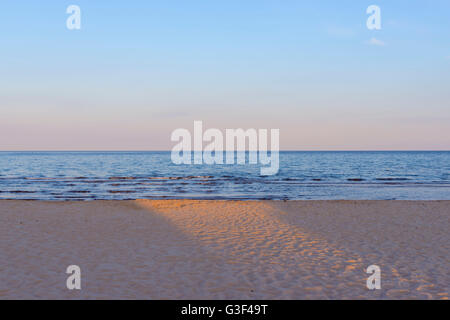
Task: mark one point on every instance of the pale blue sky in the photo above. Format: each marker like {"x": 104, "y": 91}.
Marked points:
{"x": 137, "y": 70}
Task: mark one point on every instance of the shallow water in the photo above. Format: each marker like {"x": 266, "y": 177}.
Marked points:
{"x": 302, "y": 175}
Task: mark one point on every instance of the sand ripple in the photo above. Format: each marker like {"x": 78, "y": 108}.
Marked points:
{"x": 186, "y": 249}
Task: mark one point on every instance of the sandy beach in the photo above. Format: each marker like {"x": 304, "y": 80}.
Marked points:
{"x": 186, "y": 249}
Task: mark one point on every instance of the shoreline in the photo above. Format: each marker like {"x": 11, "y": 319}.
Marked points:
{"x": 225, "y": 249}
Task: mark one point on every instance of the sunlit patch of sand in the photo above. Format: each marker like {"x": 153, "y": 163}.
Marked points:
{"x": 271, "y": 258}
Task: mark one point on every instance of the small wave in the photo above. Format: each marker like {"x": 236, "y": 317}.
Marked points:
{"x": 126, "y": 184}
{"x": 73, "y": 198}
{"x": 31, "y": 178}
{"x": 180, "y": 178}
{"x": 392, "y": 179}
{"x": 210, "y": 183}
{"x": 199, "y": 177}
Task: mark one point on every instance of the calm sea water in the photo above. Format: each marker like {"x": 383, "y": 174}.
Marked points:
{"x": 302, "y": 175}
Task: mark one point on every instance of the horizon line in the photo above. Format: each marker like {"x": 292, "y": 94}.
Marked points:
{"x": 284, "y": 150}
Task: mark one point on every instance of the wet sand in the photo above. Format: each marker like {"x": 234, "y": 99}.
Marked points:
{"x": 187, "y": 249}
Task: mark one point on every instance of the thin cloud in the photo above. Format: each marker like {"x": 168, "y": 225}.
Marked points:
{"x": 376, "y": 42}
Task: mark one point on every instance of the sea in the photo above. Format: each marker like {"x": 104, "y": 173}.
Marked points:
{"x": 302, "y": 175}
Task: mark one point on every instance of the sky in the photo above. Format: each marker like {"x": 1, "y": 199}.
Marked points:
{"x": 138, "y": 70}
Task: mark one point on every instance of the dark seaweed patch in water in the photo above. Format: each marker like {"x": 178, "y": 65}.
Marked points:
{"x": 122, "y": 191}
{"x": 21, "y": 191}
{"x": 355, "y": 179}
{"x": 242, "y": 181}
{"x": 317, "y": 179}
{"x": 79, "y": 191}
{"x": 121, "y": 178}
